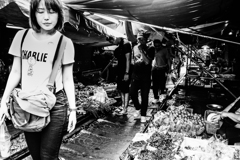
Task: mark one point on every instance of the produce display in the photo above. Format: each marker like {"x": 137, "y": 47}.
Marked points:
{"x": 156, "y": 146}
{"x": 210, "y": 149}
{"x": 92, "y": 99}
{"x": 180, "y": 134}
{"x": 178, "y": 119}
{"x": 165, "y": 145}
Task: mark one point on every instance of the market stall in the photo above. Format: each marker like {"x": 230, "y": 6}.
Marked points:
{"x": 182, "y": 131}
{"x": 178, "y": 133}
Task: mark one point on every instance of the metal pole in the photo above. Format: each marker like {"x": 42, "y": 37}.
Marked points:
{"x": 184, "y": 32}
{"x": 107, "y": 66}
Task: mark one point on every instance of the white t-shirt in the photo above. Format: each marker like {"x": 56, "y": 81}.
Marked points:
{"x": 37, "y": 59}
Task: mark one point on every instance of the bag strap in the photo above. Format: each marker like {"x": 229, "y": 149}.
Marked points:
{"x": 58, "y": 60}
{"x": 23, "y": 37}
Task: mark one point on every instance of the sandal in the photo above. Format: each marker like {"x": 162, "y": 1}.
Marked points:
{"x": 118, "y": 111}
{"x": 125, "y": 111}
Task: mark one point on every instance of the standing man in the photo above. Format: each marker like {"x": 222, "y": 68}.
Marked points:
{"x": 161, "y": 67}
{"x": 141, "y": 76}
{"x": 123, "y": 55}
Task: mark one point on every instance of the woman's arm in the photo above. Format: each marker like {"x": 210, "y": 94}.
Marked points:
{"x": 127, "y": 62}
{"x": 68, "y": 84}
{"x": 169, "y": 59}
{"x": 13, "y": 80}
{"x": 69, "y": 88}
{"x": 231, "y": 105}
{"x": 126, "y": 75}
{"x": 232, "y": 116}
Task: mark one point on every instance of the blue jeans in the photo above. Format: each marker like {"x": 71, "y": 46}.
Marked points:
{"x": 45, "y": 145}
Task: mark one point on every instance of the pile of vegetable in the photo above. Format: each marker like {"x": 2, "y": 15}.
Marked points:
{"x": 92, "y": 99}
{"x": 178, "y": 119}
{"x": 160, "y": 145}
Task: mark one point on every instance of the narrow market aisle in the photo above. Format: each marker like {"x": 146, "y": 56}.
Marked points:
{"x": 105, "y": 139}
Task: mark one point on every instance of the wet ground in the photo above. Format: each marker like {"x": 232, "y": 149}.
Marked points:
{"x": 108, "y": 138}
{"x": 105, "y": 139}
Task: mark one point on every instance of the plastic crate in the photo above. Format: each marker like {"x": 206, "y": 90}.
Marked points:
{"x": 211, "y": 128}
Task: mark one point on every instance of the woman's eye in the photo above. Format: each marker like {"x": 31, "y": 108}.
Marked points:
{"x": 51, "y": 11}
{"x": 40, "y": 11}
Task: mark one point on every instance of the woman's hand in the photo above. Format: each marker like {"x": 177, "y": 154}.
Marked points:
{"x": 223, "y": 114}
{"x": 126, "y": 77}
{"x": 72, "y": 121}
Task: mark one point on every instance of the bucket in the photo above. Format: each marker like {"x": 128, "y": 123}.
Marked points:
{"x": 211, "y": 128}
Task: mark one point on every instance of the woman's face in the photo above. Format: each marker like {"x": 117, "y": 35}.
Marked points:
{"x": 47, "y": 19}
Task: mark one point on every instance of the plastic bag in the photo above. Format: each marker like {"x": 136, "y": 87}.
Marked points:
{"x": 100, "y": 95}
{"x": 5, "y": 140}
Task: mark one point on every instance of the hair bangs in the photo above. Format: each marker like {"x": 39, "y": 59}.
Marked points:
{"x": 52, "y": 5}
{"x": 56, "y": 6}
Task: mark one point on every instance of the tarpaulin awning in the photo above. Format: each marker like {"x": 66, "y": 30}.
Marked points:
{"x": 199, "y": 16}
{"x": 168, "y": 13}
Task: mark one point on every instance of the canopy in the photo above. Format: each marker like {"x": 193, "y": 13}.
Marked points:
{"x": 90, "y": 21}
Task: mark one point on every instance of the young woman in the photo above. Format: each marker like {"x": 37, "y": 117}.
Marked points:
{"x": 33, "y": 69}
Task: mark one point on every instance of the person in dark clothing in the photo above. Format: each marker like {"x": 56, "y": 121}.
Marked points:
{"x": 123, "y": 55}
{"x": 230, "y": 119}
{"x": 141, "y": 75}
{"x": 161, "y": 67}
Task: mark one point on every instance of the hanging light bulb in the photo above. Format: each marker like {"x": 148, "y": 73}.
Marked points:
{"x": 237, "y": 33}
